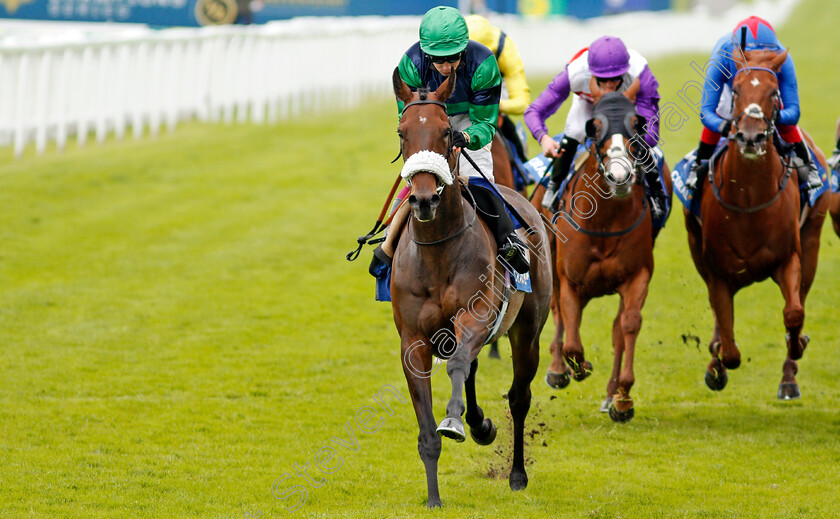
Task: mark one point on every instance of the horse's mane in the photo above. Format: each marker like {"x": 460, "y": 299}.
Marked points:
{"x": 760, "y": 57}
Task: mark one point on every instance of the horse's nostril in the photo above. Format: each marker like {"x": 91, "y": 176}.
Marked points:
{"x": 412, "y": 200}
{"x": 435, "y": 200}
{"x": 760, "y": 138}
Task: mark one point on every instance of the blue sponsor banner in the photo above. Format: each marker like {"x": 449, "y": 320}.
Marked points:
{"x": 152, "y": 12}
{"x": 267, "y": 10}
{"x": 161, "y": 13}
{"x": 592, "y": 8}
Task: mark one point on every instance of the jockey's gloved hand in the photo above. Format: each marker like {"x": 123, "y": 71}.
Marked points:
{"x": 459, "y": 140}
{"x": 724, "y": 127}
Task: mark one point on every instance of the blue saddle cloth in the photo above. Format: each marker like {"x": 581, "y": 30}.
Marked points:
{"x": 522, "y": 282}
{"x": 835, "y": 181}
{"x": 692, "y": 200}
{"x": 538, "y": 165}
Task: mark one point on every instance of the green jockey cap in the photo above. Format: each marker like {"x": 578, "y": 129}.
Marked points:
{"x": 443, "y": 32}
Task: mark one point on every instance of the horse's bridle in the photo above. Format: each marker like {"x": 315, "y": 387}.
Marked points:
{"x": 448, "y": 136}
{"x": 424, "y": 101}
{"x": 607, "y": 234}
{"x": 754, "y": 111}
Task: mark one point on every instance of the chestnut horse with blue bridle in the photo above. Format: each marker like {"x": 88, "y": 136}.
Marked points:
{"x": 448, "y": 286}
{"x": 604, "y": 246}
{"x": 752, "y": 224}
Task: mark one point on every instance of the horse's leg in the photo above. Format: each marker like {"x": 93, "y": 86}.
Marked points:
{"x": 788, "y": 277}
{"x": 725, "y": 354}
{"x": 482, "y": 429}
{"x": 525, "y": 346}
{"x": 417, "y": 366}
{"x": 559, "y": 374}
{"x": 618, "y": 352}
{"x": 633, "y": 295}
{"x": 571, "y": 308}
{"x": 469, "y": 333}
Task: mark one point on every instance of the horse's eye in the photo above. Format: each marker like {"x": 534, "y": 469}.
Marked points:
{"x": 400, "y": 133}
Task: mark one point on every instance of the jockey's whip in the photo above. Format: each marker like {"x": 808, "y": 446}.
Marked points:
{"x": 377, "y": 227}
{"x": 508, "y": 205}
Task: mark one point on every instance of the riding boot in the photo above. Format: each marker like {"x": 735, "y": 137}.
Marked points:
{"x": 568, "y": 147}
{"x": 382, "y": 254}
{"x": 492, "y": 210}
{"x": 658, "y": 198}
{"x": 696, "y": 172}
{"x": 807, "y": 172}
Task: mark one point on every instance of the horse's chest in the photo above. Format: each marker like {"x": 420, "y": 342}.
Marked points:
{"x": 601, "y": 271}
{"x": 744, "y": 257}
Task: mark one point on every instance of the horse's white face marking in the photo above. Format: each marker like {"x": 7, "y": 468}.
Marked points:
{"x": 755, "y": 82}
{"x": 754, "y": 111}
{"x": 422, "y": 120}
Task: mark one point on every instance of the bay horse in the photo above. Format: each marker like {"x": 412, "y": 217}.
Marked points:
{"x": 751, "y": 224}
{"x": 604, "y": 245}
{"x": 446, "y": 288}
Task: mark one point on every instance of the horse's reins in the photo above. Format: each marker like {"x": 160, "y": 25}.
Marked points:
{"x": 769, "y": 132}
{"x": 605, "y": 234}
{"x": 378, "y": 226}
{"x": 456, "y": 233}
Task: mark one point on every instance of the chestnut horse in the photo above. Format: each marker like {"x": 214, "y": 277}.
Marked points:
{"x": 604, "y": 245}
{"x": 751, "y": 227}
{"x": 446, "y": 290}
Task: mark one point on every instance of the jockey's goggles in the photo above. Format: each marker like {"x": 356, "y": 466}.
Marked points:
{"x": 446, "y": 59}
{"x": 607, "y": 79}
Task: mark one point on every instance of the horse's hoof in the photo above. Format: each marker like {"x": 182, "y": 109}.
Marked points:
{"x": 584, "y": 371}
{"x": 605, "y": 407}
{"x": 452, "y": 428}
{"x": 518, "y": 480}
{"x": 485, "y": 434}
{"x": 557, "y": 380}
{"x": 788, "y": 391}
{"x": 621, "y": 416}
{"x": 716, "y": 383}
{"x": 434, "y": 503}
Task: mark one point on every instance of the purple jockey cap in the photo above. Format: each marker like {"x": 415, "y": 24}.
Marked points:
{"x": 608, "y": 57}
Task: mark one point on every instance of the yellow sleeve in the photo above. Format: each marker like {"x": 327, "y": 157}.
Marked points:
{"x": 519, "y": 95}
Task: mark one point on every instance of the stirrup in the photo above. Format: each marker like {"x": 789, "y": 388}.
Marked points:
{"x": 834, "y": 160}
{"x": 550, "y": 194}
{"x": 814, "y": 180}
{"x": 693, "y": 176}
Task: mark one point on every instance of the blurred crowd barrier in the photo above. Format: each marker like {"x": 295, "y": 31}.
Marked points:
{"x": 59, "y": 85}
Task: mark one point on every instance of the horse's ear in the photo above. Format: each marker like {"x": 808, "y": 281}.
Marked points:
{"x": 446, "y": 88}
{"x": 744, "y": 55}
{"x": 777, "y": 62}
{"x": 633, "y": 90}
{"x": 593, "y": 129}
{"x": 640, "y": 124}
{"x": 401, "y": 89}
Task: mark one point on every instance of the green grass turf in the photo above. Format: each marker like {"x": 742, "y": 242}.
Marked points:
{"x": 179, "y": 328}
